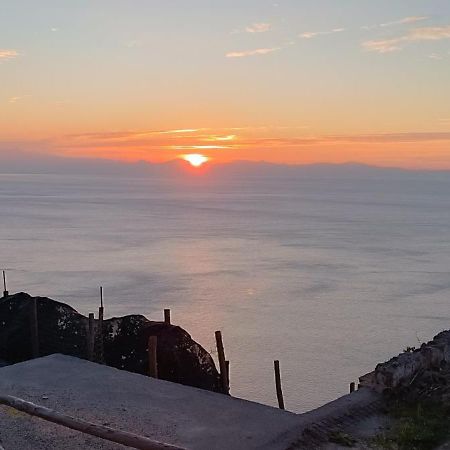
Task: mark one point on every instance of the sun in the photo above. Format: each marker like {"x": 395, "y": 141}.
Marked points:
{"x": 195, "y": 159}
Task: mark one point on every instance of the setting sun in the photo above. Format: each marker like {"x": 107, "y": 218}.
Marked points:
{"x": 195, "y": 159}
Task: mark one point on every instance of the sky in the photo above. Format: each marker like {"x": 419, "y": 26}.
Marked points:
{"x": 286, "y": 81}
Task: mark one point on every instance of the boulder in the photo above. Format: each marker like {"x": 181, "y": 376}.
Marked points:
{"x": 63, "y": 330}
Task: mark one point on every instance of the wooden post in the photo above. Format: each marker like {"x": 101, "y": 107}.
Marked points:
{"x": 352, "y": 387}
{"x": 90, "y": 338}
{"x": 34, "y": 329}
{"x": 227, "y": 365}
{"x": 167, "y": 316}
{"x": 5, "y": 291}
{"x": 152, "y": 356}
{"x": 100, "y": 353}
{"x": 101, "y": 310}
{"x": 276, "y": 365}
{"x": 222, "y": 363}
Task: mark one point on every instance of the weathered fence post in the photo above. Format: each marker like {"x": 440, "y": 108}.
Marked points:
{"x": 100, "y": 352}
{"x": 222, "y": 363}
{"x": 90, "y": 338}
{"x": 5, "y": 291}
{"x": 152, "y": 356}
{"x": 100, "y": 309}
{"x": 167, "y": 316}
{"x": 276, "y": 366}
{"x": 34, "y": 333}
{"x": 227, "y": 365}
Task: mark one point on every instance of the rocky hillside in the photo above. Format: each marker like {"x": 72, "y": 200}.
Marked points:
{"x": 63, "y": 330}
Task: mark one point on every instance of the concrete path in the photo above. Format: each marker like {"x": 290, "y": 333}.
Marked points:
{"x": 164, "y": 411}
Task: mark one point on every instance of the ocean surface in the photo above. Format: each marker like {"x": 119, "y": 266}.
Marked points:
{"x": 328, "y": 275}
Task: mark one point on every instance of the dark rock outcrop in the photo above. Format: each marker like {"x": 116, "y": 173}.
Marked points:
{"x": 63, "y": 330}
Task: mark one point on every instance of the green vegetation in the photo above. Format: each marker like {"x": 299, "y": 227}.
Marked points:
{"x": 338, "y": 437}
{"x": 419, "y": 426}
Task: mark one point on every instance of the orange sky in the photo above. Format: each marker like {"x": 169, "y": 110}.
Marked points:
{"x": 288, "y": 82}
{"x": 275, "y": 144}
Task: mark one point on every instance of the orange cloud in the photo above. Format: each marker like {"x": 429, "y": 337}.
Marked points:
{"x": 258, "y": 51}
{"x": 415, "y": 35}
{"x": 258, "y": 28}
{"x": 312, "y": 34}
{"x": 8, "y": 54}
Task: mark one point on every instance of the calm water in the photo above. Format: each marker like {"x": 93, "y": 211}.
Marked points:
{"x": 329, "y": 276}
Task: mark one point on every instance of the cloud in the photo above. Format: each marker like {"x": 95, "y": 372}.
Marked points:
{"x": 199, "y": 147}
{"x": 141, "y": 142}
{"x": 430, "y": 33}
{"x": 8, "y": 54}
{"x": 378, "y": 138}
{"x": 258, "y": 51}
{"x": 16, "y": 99}
{"x": 188, "y": 137}
{"x": 404, "y": 21}
{"x": 312, "y": 34}
{"x": 394, "y": 137}
{"x": 382, "y": 45}
{"x": 415, "y": 35}
{"x": 258, "y": 28}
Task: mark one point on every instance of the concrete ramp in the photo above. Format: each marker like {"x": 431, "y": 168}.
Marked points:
{"x": 167, "y": 412}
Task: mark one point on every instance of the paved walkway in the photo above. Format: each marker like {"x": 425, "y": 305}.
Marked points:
{"x": 164, "y": 411}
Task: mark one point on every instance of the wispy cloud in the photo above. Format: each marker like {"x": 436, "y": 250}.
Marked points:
{"x": 258, "y": 28}
{"x": 6, "y": 54}
{"x": 404, "y": 21}
{"x": 18, "y": 98}
{"x": 415, "y": 35}
{"x": 258, "y": 51}
{"x": 198, "y": 147}
{"x": 312, "y": 34}
{"x": 245, "y": 137}
{"x": 436, "y": 56}
{"x": 383, "y": 45}
{"x": 394, "y": 137}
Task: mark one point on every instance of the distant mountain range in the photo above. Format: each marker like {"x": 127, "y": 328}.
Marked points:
{"x": 31, "y": 163}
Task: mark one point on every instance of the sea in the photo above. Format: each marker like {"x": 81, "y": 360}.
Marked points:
{"x": 330, "y": 275}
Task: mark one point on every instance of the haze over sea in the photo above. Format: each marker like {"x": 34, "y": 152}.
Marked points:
{"x": 330, "y": 271}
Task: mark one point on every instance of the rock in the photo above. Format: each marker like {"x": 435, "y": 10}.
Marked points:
{"x": 403, "y": 369}
{"x": 63, "y": 330}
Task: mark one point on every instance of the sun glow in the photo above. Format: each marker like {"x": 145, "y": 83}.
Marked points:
{"x": 195, "y": 159}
